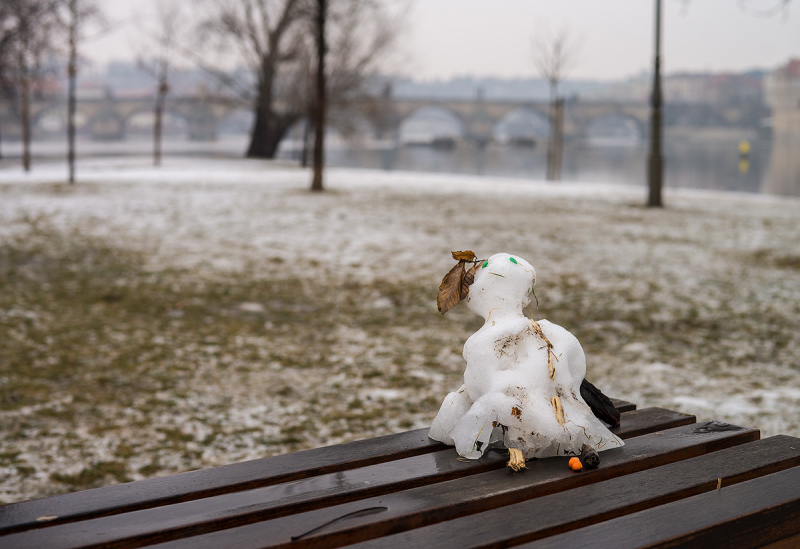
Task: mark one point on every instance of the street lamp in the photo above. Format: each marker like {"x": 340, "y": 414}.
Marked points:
{"x": 655, "y": 160}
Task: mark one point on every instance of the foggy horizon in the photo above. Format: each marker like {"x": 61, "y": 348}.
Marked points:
{"x": 445, "y": 39}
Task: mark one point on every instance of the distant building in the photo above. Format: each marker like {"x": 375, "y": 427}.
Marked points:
{"x": 782, "y": 89}
{"x": 719, "y": 89}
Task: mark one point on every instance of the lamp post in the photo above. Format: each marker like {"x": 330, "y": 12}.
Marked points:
{"x": 72, "y": 72}
{"x": 655, "y": 160}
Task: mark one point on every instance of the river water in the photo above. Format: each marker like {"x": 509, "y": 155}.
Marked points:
{"x": 705, "y": 162}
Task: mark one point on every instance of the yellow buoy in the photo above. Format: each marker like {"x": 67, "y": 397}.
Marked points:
{"x": 744, "y": 147}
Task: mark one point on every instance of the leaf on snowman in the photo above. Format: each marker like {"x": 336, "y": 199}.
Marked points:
{"x": 467, "y": 255}
{"x": 450, "y": 289}
{"x": 469, "y": 278}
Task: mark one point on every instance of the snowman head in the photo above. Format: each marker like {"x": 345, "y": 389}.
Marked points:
{"x": 502, "y": 282}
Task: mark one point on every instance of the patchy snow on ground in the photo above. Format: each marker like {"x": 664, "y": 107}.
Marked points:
{"x": 155, "y": 320}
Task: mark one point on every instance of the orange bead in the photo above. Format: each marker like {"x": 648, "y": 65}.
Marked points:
{"x": 575, "y": 464}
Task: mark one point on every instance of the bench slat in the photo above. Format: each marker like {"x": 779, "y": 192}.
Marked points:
{"x": 623, "y": 405}
{"x": 418, "y": 507}
{"x": 752, "y": 514}
{"x": 218, "y": 480}
{"x": 236, "y": 477}
{"x": 580, "y": 507}
{"x": 260, "y": 504}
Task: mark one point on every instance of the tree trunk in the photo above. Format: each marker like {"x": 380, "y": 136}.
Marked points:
{"x": 319, "y": 134}
{"x": 157, "y": 122}
{"x": 269, "y": 127}
{"x": 558, "y": 140}
{"x": 268, "y": 130}
{"x": 655, "y": 159}
{"x": 157, "y": 131}
{"x": 551, "y": 142}
{"x": 304, "y": 155}
{"x": 25, "y": 114}
{"x": 72, "y": 71}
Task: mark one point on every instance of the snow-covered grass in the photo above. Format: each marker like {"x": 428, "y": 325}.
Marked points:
{"x": 159, "y": 320}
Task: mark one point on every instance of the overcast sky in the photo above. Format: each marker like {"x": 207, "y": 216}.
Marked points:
{"x": 446, "y": 38}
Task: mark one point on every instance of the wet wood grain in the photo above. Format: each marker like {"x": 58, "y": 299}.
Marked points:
{"x": 237, "y": 477}
{"x": 228, "y": 510}
{"x": 477, "y": 493}
{"x": 757, "y": 513}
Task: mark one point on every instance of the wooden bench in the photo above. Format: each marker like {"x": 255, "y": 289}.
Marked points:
{"x": 674, "y": 483}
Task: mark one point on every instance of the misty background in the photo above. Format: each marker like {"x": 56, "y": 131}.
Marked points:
{"x": 457, "y": 66}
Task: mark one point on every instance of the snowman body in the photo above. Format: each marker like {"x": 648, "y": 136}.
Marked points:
{"x": 514, "y": 394}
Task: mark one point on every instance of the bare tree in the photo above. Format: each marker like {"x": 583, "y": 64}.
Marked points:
{"x": 31, "y": 25}
{"x": 265, "y": 32}
{"x": 79, "y": 13}
{"x": 8, "y": 34}
{"x": 320, "y": 19}
{"x": 169, "y": 18}
{"x": 554, "y": 57}
{"x": 333, "y": 80}
{"x": 278, "y": 39}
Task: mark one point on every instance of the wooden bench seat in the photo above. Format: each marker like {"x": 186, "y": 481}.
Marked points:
{"x": 406, "y": 490}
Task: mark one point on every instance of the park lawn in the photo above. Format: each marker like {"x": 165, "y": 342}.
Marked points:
{"x": 156, "y": 321}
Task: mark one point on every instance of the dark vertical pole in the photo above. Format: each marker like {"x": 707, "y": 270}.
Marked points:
{"x": 655, "y": 161}
{"x": 26, "y": 104}
{"x": 72, "y": 71}
{"x": 157, "y": 121}
{"x": 558, "y": 148}
{"x": 551, "y": 142}
{"x": 319, "y": 136}
{"x": 304, "y": 153}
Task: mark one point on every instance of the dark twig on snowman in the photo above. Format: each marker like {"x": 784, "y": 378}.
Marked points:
{"x": 524, "y": 385}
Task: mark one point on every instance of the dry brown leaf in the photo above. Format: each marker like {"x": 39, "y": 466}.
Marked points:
{"x": 450, "y": 289}
{"x": 469, "y": 278}
{"x": 467, "y": 255}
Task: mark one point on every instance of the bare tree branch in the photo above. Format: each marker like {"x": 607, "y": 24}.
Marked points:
{"x": 555, "y": 56}
{"x": 358, "y": 35}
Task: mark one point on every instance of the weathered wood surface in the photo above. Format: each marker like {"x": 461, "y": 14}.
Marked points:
{"x": 219, "y": 480}
{"x": 237, "y": 477}
{"x": 572, "y": 509}
{"x": 225, "y": 511}
{"x": 761, "y": 512}
{"x": 406, "y": 490}
{"x": 427, "y": 505}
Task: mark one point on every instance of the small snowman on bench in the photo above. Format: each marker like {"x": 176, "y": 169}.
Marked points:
{"x": 524, "y": 384}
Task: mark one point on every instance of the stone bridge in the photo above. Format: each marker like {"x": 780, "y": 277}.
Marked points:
{"x": 108, "y": 118}
{"x": 479, "y": 117}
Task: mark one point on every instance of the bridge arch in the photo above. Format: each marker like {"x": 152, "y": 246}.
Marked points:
{"x": 522, "y": 125}
{"x": 49, "y": 120}
{"x": 429, "y": 124}
{"x": 614, "y": 127}
{"x": 141, "y": 120}
{"x": 107, "y": 123}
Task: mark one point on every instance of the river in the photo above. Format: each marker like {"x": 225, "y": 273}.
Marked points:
{"x": 706, "y": 161}
{"x": 695, "y": 159}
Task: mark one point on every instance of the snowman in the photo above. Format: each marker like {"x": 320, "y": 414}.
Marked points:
{"x": 522, "y": 384}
